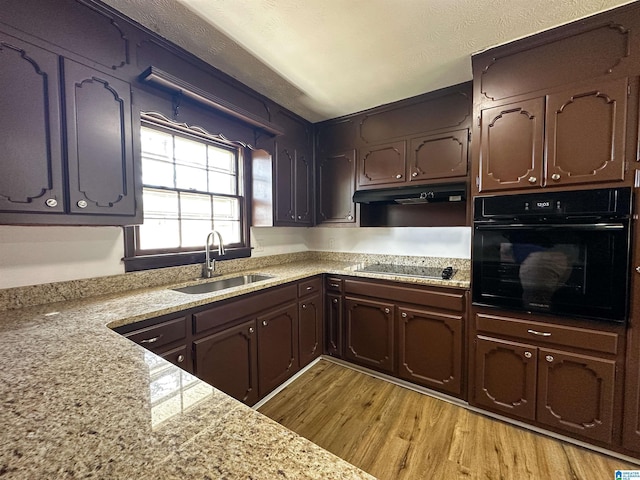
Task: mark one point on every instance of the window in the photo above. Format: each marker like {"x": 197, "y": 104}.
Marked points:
{"x": 192, "y": 183}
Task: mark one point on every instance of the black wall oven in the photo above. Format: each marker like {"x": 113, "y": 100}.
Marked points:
{"x": 562, "y": 253}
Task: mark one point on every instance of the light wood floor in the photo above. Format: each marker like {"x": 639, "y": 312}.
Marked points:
{"x": 395, "y": 433}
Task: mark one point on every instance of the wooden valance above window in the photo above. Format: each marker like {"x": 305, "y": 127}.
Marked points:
{"x": 157, "y": 77}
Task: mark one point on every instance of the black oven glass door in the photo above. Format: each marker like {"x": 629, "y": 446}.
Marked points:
{"x": 565, "y": 269}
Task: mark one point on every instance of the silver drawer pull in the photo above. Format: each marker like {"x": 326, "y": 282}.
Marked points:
{"x": 386, "y": 310}
{"x": 528, "y": 354}
{"x": 540, "y": 334}
{"x": 309, "y": 288}
{"x": 151, "y": 340}
{"x": 304, "y": 305}
{"x": 335, "y": 285}
{"x": 180, "y": 358}
{"x": 549, "y": 358}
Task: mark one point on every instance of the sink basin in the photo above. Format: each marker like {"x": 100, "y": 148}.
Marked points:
{"x": 221, "y": 284}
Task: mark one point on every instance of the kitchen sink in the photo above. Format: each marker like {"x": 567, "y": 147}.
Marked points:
{"x": 221, "y": 284}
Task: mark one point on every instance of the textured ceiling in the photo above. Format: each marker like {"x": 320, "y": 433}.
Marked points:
{"x": 323, "y": 59}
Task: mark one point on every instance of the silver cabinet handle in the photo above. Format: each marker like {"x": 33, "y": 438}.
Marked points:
{"x": 82, "y": 204}
{"x": 549, "y": 358}
{"x": 540, "y": 334}
{"x": 309, "y": 288}
{"x": 404, "y": 314}
{"x": 638, "y": 269}
{"x": 251, "y": 330}
{"x": 293, "y": 217}
{"x": 386, "y": 310}
{"x": 414, "y": 174}
{"x": 304, "y": 305}
{"x": 335, "y": 300}
{"x": 335, "y": 285}
{"x": 533, "y": 179}
{"x": 264, "y": 323}
{"x": 180, "y": 358}
{"x": 151, "y": 340}
{"x": 399, "y": 176}
{"x": 349, "y": 217}
{"x": 51, "y": 202}
{"x": 299, "y": 217}
{"x": 527, "y": 355}
{"x": 555, "y": 176}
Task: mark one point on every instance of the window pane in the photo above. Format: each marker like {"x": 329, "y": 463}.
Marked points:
{"x": 194, "y": 232}
{"x": 222, "y": 160}
{"x": 190, "y": 178}
{"x": 156, "y": 144}
{"x": 196, "y": 207}
{"x": 160, "y": 204}
{"x": 222, "y": 183}
{"x": 159, "y": 233}
{"x": 226, "y": 208}
{"x": 157, "y": 173}
{"x": 189, "y": 152}
{"x": 229, "y": 230}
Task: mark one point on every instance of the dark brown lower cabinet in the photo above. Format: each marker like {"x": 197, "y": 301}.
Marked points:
{"x": 333, "y": 324}
{"x": 575, "y": 393}
{"x": 631, "y": 419}
{"x": 505, "y": 377}
{"x": 229, "y": 361}
{"x": 309, "y": 329}
{"x": 277, "y": 347}
{"x": 430, "y": 349}
{"x": 570, "y": 392}
{"x": 369, "y": 333}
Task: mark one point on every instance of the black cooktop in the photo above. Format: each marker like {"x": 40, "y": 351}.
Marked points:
{"x": 409, "y": 270}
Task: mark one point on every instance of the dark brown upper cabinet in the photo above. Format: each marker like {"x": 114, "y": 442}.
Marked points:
{"x": 554, "y": 110}
{"x": 336, "y": 182}
{"x": 56, "y": 100}
{"x": 416, "y": 141}
{"x": 290, "y": 197}
{"x": 572, "y": 136}
{"x": 30, "y": 126}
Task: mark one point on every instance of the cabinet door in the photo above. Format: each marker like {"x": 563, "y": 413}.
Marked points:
{"x": 430, "y": 349}
{"x": 304, "y": 187}
{"x": 383, "y": 165}
{"x": 336, "y": 182}
{"x": 586, "y": 130}
{"x": 31, "y": 155}
{"x": 99, "y": 142}
{"x": 631, "y": 419}
{"x": 575, "y": 393}
{"x": 284, "y": 209}
{"x": 333, "y": 325}
{"x": 369, "y": 333}
{"x": 309, "y": 329}
{"x": 229, "y": 361}
{"x": 439, "y": 156}
{"x": 511, "y": 146}
{"x": 277, "y": 347}
{"x": 505, "y": 377}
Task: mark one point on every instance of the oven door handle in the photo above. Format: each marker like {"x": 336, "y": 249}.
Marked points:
{"x": 554, "y": 226}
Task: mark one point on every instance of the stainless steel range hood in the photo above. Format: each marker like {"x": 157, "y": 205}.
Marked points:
{"x": 451, "y": 192}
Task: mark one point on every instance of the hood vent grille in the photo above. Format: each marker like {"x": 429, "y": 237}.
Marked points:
{"x": 452, "y": 192}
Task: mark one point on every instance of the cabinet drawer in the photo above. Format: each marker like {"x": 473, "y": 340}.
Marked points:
{"x": 428, "y": 296}
{"x": 157, "y": 336}
{"x": 599, "y": 341}
{"x": 242, "y": 307}
{"x": 177, "y": 356}
{"x": 333, "y": 284}
{"x": 307, "y": 287}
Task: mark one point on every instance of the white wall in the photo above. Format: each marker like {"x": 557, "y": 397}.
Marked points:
{"x": 452, "y": 242}
{"x": 35, "y": 255}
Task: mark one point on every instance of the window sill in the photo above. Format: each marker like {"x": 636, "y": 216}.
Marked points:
{"x": 149, "y": 262}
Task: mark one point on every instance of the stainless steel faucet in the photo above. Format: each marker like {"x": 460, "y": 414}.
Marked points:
{"x": 209, "y": 267}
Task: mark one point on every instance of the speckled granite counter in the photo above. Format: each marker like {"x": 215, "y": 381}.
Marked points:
{"x": 78, "y": 400}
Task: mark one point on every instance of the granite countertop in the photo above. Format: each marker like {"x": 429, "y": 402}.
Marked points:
{"x": 80, "y": 400}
